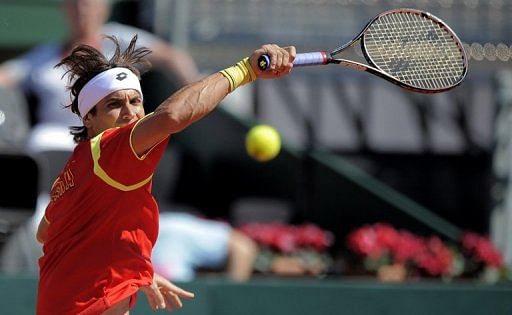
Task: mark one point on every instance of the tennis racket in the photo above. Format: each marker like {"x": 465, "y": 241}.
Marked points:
{"x": 410, "y": 48}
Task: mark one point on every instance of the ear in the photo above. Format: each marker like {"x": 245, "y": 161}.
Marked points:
{"x": 87, "y": 121}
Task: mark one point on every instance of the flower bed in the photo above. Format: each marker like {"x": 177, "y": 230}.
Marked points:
{"x": 290, "y": 249}
{"x": 378, "y": 250}
{"x": 380, "y": 245}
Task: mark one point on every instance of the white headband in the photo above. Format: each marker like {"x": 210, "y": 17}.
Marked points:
{"x": 105, "y": 83}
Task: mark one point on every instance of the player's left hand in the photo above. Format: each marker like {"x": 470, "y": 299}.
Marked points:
{"x": 162, "y": 294}
{"x": 281, "y": 61}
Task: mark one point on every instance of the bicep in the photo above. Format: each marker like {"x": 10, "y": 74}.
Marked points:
{"x": 177, "y": 112}
{"x": 148, "y": 132}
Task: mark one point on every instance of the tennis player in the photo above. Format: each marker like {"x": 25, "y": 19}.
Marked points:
{"x": 102, "y": 222}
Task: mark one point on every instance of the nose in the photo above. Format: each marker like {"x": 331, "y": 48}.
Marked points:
{"x": 129, "y": 111}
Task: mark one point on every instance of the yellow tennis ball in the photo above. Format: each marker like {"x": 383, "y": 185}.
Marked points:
{"x": 263, "y": 143}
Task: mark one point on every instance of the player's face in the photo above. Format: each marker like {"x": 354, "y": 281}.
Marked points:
{"x": 118, "y": 109}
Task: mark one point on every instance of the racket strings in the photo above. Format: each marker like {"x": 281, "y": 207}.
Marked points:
{"x": 415, "y": 50}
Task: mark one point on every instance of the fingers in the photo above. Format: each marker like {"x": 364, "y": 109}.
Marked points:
{"x": 292, "y": 52}
{"x": 166, "y": 285}
{"x": 279, "y": 57}
{"x": 163, "y": 294}
{"x": 172, "y": 295}
{"x": 276, "y": 56}
{"x": 172, "y": 300}
{"x": 288, "y": 58}
{"x": 155, "y": 298}
{"x": 160, "y": 300}
{"x": 177, "y": 291}
{"x": 281, "y": 60}
{"x": 183, "y": 293}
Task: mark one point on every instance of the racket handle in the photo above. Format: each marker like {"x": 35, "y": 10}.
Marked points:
{"x": 304, "y": 59}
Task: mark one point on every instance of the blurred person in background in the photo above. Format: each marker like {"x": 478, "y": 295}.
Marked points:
{"x": 187, "y": 243}
{"x": 35, "y": 70}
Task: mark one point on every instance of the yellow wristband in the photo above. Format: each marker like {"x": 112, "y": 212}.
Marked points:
{"x": 239, "y": 74}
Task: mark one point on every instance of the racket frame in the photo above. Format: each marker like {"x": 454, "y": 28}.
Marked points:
{"x": 323, "y": 57}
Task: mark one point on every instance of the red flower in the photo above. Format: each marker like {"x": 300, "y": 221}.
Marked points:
{"x": 364, "y": 241}
{"x": 431, "y": 254}
{"x": 310, "y": 235}
{"x": 387, "y": 236}
{"x": 283, "y": 239}
{"x": 407, "y": 247}
{"x": 482, "y": 249}
{"x": 437, "y": 259}
{"x": 288, "y": 238}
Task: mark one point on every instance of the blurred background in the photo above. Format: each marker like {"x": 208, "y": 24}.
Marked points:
{"x": 362, "y": 161}
{"x": 435, "y": 149}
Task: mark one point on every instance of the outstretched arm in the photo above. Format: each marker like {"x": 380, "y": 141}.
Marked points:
{"x": 196, "y": 100}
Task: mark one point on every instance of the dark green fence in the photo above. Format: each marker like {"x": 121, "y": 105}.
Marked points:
{"x": 300, "y": 297}
{"x": 26, "y": 23}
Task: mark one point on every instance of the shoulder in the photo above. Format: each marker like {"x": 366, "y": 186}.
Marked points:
{"x": 113, "y": 134}
{"x": 114, "y": 139}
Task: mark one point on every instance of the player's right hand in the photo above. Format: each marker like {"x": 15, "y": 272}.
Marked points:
{"x": 281, "y": 61}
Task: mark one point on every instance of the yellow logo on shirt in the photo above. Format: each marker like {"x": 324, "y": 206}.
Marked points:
{"x": 65, "y": 181}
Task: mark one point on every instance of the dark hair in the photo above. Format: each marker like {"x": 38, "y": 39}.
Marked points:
{"x": 85, "y": 62}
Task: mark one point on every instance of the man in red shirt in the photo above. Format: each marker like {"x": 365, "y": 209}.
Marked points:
{"x": 102, "y": 222}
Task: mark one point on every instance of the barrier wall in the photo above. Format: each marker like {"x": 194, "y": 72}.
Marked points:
{"x": 297, "y": 297}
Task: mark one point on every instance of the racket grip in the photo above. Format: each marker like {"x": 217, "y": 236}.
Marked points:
{"x": 304, "y": 59}
{"x": 310, "y": 59}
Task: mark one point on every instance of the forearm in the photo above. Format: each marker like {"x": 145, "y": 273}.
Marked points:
{"x": 198, "y": 99}
{"x": 193, "y": 102}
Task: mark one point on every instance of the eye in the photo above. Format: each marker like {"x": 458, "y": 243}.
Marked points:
{"x": 136, "y": 101}
{"x": 113, "y": 104}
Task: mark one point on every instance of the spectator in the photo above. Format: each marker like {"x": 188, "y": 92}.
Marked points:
{"x": 187, "y": 243}
{"x": 35, "y": 70}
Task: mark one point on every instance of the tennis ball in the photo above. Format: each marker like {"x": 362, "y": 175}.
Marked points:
{"x": 263, "y": 143}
